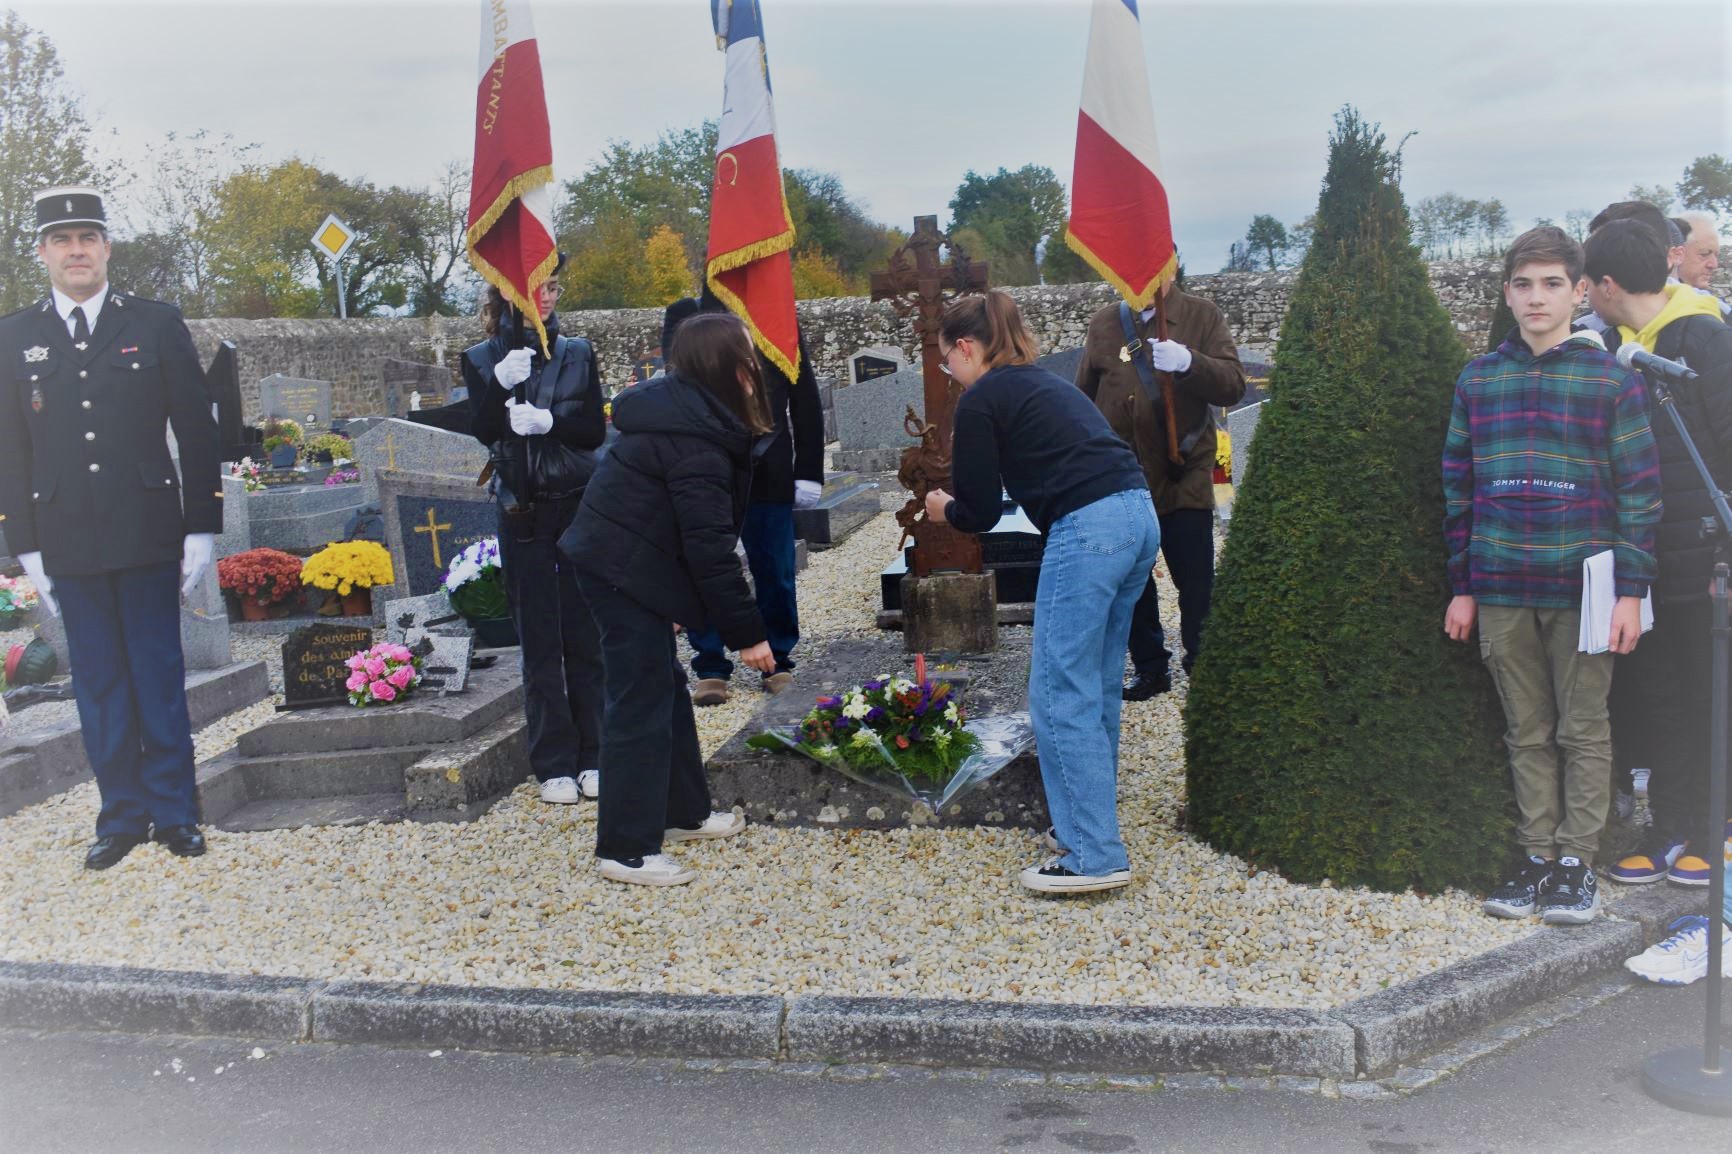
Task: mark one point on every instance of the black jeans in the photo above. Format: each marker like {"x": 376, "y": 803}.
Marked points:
{"x": 1666, "y": 722}
{"x": 1188, "y": 544}
{"x": 561, "y": 654}
{"x": 652, "y": 773}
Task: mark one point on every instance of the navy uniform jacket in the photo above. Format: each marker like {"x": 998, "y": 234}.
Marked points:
{"x": 85, "y": 472}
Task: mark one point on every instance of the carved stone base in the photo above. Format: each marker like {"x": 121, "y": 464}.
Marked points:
{"x": 950, "y": 613}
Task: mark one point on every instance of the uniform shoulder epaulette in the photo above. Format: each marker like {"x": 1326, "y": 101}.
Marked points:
{"x": 123, "y": 299}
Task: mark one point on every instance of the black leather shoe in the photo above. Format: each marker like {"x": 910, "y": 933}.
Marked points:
{"x": 1143, "y": 686}
{"x": 107, "y": 851}
{"x": 181, "y": 840}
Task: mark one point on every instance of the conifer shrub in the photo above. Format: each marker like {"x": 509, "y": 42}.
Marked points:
{"x": 1332, "y": 730}
{"x": 1503, "y": 319}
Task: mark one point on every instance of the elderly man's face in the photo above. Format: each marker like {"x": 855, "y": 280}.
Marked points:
{"x": 1701, "y": 256}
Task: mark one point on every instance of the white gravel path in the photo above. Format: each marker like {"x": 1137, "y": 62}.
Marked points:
{"x": 511, "y": 899}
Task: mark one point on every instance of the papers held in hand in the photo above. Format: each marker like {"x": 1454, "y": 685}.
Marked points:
{"x": 1599, "y": 594}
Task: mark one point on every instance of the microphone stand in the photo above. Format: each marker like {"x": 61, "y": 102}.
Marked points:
{"x": 1690, "y": 1079}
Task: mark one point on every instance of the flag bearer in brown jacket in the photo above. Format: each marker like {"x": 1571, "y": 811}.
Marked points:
{"x": 1124, "y": 369}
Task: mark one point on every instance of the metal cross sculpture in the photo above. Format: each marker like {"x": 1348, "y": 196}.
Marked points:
{"x": 918, "y": 286}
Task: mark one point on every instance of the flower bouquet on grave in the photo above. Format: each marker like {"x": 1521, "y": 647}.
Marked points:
{"x": 382, "y": 674}
{"x": 342, "y": 477}
{"x": 248, "y": 471}
{"x": 260, "y": 580}
{"x": 347, "y": 570}
{"x": 17, "y": 597}
{"x": 475, "y": 586}
{"x": 905, "y": 737}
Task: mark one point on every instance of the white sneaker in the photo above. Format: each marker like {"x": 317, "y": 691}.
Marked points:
{"x": 715, "y": 826}
{"x": 658, "y": 869}
{"x": 1682, "y": 958}
{"x": 559, "y": 791}
{"x": 589, "y": 782}
{"x": 1051, "y": 878}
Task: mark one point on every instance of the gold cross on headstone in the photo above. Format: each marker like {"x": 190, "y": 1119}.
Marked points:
{"x": 391, "y": 450}
{"x": 432, "y": 528}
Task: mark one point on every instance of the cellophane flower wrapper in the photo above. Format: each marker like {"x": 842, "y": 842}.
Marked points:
{"x": 1003, "y": 738}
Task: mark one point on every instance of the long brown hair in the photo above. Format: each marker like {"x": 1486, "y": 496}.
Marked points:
{"x": 710, "y": 350}
{"x": 992, "y": 320}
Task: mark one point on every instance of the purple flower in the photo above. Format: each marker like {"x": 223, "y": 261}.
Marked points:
{"x": 829, "y": 702}
{"x": 874, "y": 714}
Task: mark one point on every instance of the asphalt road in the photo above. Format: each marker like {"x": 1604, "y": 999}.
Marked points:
{"x": 1573, "y": 1089}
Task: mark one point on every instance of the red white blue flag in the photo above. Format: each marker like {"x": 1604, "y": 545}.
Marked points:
{"x": 510, "y": 236}
{"x": 1119, "y": 222}
{"x": 748, "y": 265}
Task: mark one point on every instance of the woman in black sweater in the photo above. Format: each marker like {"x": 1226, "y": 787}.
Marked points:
{"x": 1022, "y": 430}
{"x": 653, "y": 547}
{"x": 542, "y": 421}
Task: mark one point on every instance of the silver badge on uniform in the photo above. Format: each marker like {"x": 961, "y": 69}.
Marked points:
{"x": 38, "y": 353}
{"x": 36, "y": 398}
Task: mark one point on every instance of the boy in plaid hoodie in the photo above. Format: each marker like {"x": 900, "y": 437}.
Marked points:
{"x": 1549, "y": 460}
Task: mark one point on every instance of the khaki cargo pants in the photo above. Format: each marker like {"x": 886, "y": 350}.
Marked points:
{"x": 1554, "y": 702}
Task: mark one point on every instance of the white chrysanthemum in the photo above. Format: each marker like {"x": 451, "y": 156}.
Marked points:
{"x": 901, "y": 685}
{"x": 864, "y": 737}
{"x": 854, "y": 706}
{"x": 952, "y": 714}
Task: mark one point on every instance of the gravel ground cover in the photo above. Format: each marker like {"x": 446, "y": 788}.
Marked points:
{"x": 511, "y": 899}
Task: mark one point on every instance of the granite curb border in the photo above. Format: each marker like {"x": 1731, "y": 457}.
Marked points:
{"x": 1366, "y": 1038}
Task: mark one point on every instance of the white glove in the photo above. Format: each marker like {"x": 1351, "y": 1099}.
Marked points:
{"x": 527, "y": 420}
{"x": 1169, "y": 356}
{"x": 513, "y": 369}
{"x": 195, "y": 554}
{"x": 32, "y": 563}
{"x": 807, "y": 494}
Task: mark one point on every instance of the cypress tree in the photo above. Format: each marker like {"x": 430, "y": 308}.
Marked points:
{"x": 1332, "y": 730}
{"x": 1502, "y": 321}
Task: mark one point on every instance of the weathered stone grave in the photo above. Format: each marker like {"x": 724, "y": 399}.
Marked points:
{"x": 308, "y": 403}
{"x": 869, "y": 421}
{"x": 407, "y": 447}
{"x": 1011, "y": 551}
{"x": 827, "y": 404}
{"x": 444, "y": 661}
{"x": 297, "y": 519}
{"x": 408, "y": 619}
{"x": 434, "y": 385}
{"x": 1063, "y": 363}
{"x": 875, "y": 361}
{"x": 646, "y": 365}
{"x": 430, "y": 757}
{"x": 788, "y": 789}
{"x": 428, "y": 521}
{"x": 846, "y": 504}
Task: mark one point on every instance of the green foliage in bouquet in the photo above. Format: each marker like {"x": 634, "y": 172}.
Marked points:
{"x": 915, "y": 727}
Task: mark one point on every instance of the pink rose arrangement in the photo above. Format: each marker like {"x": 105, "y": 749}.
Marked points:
{"x": 382, "y": 674}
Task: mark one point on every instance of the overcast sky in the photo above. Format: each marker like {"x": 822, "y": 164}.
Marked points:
{"x": 1550, "y": 106}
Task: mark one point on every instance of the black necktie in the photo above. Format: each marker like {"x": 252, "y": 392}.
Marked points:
{"x": 80, "y": 330}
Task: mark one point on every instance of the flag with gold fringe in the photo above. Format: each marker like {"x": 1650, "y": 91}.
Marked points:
{"x": 510, "y": 235}
{"x": 749, "y": 265}
{"x": 1119, "y": 221}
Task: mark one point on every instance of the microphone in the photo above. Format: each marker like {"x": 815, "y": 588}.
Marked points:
{"x": 1633, "y": 356}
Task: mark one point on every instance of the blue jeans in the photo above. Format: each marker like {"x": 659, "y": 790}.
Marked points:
{"x": 1096, "y": 562}
{"x": 123, "y": 638}
{"x": 768, "y": 535}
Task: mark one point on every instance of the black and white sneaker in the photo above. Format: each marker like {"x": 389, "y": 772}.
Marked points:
{"x": 1574, "y": 897}
{"x": 1051, "y": 878}
{"x": 1519, "y": 897}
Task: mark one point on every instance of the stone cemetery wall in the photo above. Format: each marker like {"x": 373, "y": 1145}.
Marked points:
{"x": 352, "y": 353}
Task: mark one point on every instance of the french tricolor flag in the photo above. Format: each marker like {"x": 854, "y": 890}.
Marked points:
{"x": 510, "y": 235}
{"x": 1119, "y": 221}
{"x": 748, "y": 265}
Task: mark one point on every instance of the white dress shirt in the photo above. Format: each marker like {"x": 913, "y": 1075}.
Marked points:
{"x": 64, "y": 305}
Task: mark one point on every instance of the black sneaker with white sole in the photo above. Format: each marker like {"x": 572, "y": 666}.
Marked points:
{"x": 1574, "y": 896}
{"x": 1051, "y": 878}
{"x": 1519, "y": 897}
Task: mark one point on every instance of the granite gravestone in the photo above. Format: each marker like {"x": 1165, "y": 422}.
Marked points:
{"x": 869, "y": 415}
{"x": 428, "y": 521}
{"x": 875, "y": 361}
{"x": 408, "y": 619}
{"x": 315, "y": 663}
{"x": 434, "y": 383}
{"x": 1063, "y": 363}
{"x": 444, "y": 661}
{"x": 222, "y": 379}
{"x": 404, "y": 446}
{"x": 308, "y": 403}
{"x": 646, "y": 365}
{"x": 1241, "y": 427}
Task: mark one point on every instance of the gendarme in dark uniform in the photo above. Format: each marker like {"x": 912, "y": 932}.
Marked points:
{"x": 92, "y": 381}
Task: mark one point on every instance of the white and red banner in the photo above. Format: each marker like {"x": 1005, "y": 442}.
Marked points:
{"x": 1119, "y": 222}
{"x": 510, "y": 237}
{"x": 749, "y": 266}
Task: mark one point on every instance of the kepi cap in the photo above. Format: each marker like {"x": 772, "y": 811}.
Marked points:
{"x": 71, "y": 205}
